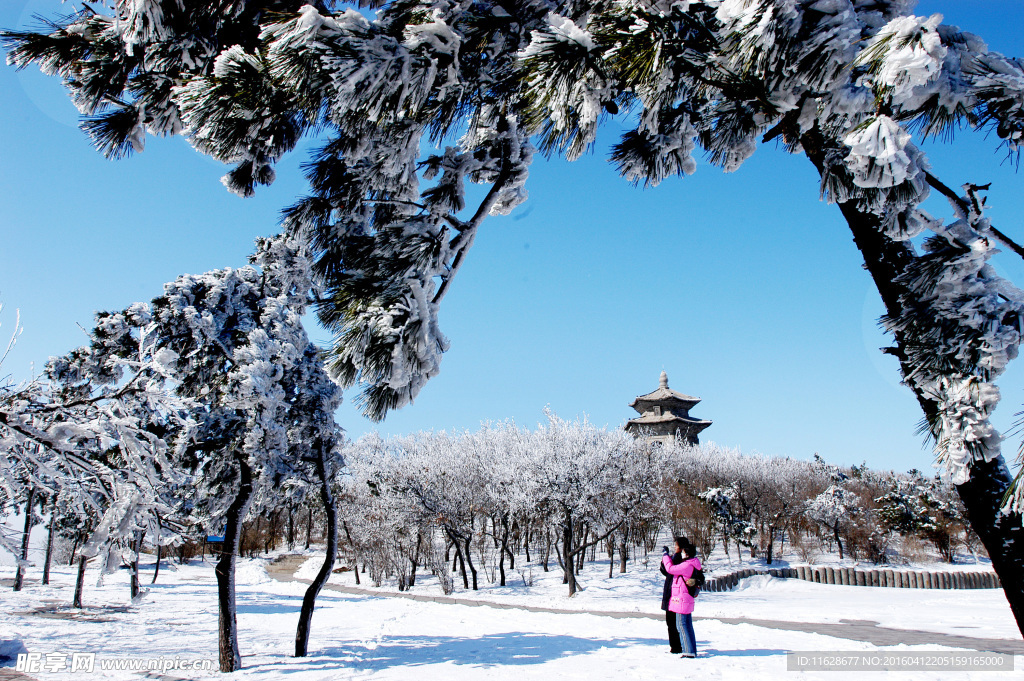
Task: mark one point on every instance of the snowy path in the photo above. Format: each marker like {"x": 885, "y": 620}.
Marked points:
{"x": 868, "y": 631}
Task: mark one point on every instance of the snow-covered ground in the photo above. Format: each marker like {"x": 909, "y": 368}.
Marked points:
{"x": 367, "y": 637}
{"x": 982, "y": 612}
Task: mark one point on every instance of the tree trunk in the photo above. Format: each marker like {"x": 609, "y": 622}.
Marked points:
{"x": 461, "y": 561}
{"x": 839, "y": 543}
{"x": 508, "y": 549}
{"x": 469, "y": 561}
{"x": 582, "y": 554}
{"x": 156, "y": 568}
{"x": 79, "y": 582}
{"x": 352, "y": 545}
{"x": 136, "y": 548}
{"x": 504, "y": 550}
{"x": 309, "y": 599}
{"x": 291, "y": 528}
{"x": 230, "y": 659}
{"x": 49, "y": 548}
{"x": 1002, "y": 535}
{"x": 19, "y": 575}
{"x": 415, "y": 560}
{"x": 309, "y": 524}
{"x": 567, "y": 558}
{"x": 623, "y": 555}
{"x": 74, "y": 550}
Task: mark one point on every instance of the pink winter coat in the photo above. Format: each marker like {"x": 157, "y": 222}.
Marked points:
{"x": 681, "y": 600}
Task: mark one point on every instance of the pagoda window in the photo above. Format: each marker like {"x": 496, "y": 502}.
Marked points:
{"x": 657, "y": 411}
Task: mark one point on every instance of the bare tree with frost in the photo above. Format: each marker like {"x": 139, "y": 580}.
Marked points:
{"x": 589, "y": 483}
{"x": 843, "y": 82}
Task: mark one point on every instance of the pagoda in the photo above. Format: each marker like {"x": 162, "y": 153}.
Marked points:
{"x": 665, "y": 415}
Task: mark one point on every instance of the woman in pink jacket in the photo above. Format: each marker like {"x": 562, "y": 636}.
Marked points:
{"x": 681, "y": 602}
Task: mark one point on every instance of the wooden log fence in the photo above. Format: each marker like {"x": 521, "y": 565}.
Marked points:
{"x": 848, "y": 576}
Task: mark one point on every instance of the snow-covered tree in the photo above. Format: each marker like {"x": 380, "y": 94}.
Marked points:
{"x": 833, "y": 508}
{"x": 93, "y": 433}
{"x": 589, "y": 483}
{"x": 253, "y": 406}
{"x": 388, "y": 526}
{"x": 917, "y": 506}
{"x": 843, "y": 82}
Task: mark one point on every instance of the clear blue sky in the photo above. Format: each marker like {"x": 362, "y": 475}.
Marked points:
{"x": 745, "y": 288}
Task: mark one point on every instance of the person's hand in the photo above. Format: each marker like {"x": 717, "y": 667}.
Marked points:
{"x": 664, "y": 549}
{"x": 691, "y": 582}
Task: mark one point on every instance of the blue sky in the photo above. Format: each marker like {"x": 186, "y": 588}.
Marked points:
{"x": 744, "y": 287}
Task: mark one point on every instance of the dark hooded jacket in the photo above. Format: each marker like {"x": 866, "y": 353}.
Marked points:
{"x": 666, "y": 594}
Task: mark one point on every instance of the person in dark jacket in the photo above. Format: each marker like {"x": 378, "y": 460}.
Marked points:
{"x": 675, "y": 645}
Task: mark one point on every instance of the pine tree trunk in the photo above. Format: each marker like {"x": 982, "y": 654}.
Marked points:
{"x": 136, "y": 548}
{"x": 79, "y": 582}
{"x": 1002, "y": 535}
{"x": 309, "y": 599}
{"x": 19, "y": 575}
{"x": 230, "y": 658}
{"x": 49, "y": 549}
{"x": 74, "y": 550}
{"x": 159, "y": 552}
{"x": 156, "y": 568}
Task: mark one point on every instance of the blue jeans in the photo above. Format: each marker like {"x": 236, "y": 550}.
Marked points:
{"x": 684, "y": 623}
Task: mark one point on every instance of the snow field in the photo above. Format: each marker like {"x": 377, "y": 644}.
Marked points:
{"x": 365, "y": 637}
{"x": 982, "y": 613}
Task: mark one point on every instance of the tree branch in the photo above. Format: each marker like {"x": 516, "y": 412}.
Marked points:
{"x": 468, "y": 234}
{"x": 937, "y": 184}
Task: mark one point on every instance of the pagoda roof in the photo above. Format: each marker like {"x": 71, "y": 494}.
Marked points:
{"x": 649, "y": 419}
{"x": 663, "y": 394}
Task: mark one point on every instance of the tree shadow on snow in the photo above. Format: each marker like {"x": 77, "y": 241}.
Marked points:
{"x": 260, "y": 604}
{"x": 512, "y": 648}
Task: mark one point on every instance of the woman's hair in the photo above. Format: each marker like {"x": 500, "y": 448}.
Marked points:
{"x": 688, "y": 548}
